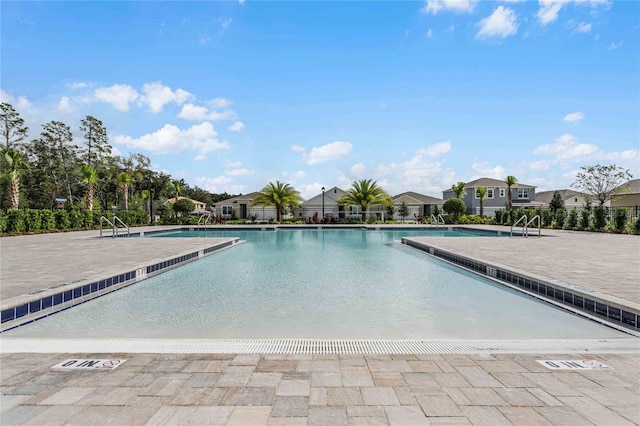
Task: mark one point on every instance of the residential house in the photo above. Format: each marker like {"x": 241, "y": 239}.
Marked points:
{"x": 572, "y": 199}
{"x": 329, "y": 199}
{"x": 522, "y": 196}
{"x": 419, "y": 205}
{"x": 200, "y": 206}
{"x": 628, "y": 197}
{"x": 242, "y": 206}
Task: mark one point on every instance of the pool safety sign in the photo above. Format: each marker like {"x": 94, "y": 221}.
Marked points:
{"x": 573, "y": 364}
{"x": 89, "y": 364}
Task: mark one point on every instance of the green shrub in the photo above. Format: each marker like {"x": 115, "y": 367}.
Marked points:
{"x": 585, "y": 218}
{"x": 76, "y": 219}
{"x": 620, "y": 219}
{"x": 32, "y": 221}
{"x": 560, "y": 217}
{"x": 47, "y": 220}
{"x": 183, "y": 206}
{"x": 547, "y": 218}
{"x": 572, "y": 219}
{"x": 455, "y": 207}
{"x": 3, "y": 222}
{"x": 599, "y": 218}
{"x": 498, "y": 217}
{"x": 636, "y": 226}
{"x": 15, "y": 221}
{"x": 62, "y": 220}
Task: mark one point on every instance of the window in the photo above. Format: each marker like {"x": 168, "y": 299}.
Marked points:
{"x": 227, "y": 210}
{"x": 523, "y": 194}
{"x": 490, "y": 193}
{"x": 502, "y": 192}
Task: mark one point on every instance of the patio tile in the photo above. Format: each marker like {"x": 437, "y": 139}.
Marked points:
{"x": 519, "y": 397}
{"x": 21, "y": 414}
{"x": 486, "y": 416}
{"x": 403, "y": 416}
{"x": 258, "y": 380}
{"x": 67, "y": 396}
{"x": 514, "y": 380}
{"x": 229, "y": 380}
{"x": 478, "y": 377}
{"x": 344, "y": 396}
{"x": 451, "y": 380}
{"x": 318, "y": 396}
{"x": 323, "y": 379}
{"x": 364, "y": 411}
{"x": 248, "y": 396}
{"x": 594, "y": 411}
{"x": 202, "y": 380}
{"x": 254, "y": 416}
{"x": 246, "y": 359}
{"x": 54, "y": 415}
{"x": 320, "y": 365}
{"x": 400, "y": 366}
{"x": 393, "y": 378}
{"x": 205, "y": 415}
{"x": 545, "y": 397}
{"x": 322, "y": 416}
{"x": 287, "y": 421}
{"x": 356, "y": 376}
{"x": 276, "y": 366}
{"x": 551, "y": 384}
{"x": 483, "y": 396}
{"x": 524, "y": 416}
{"x": 419, "y": 379}
{"x": 379, "y": 396}
{"x": 449, "y": 421}
{"x": 438, "y": 406}
{"x": 405, "y": 396}
{"x": 562, "y": 416}
{"x": 290, "y": 406}
{"x": 93, "y": 415}
{"x": 293, "y": 388}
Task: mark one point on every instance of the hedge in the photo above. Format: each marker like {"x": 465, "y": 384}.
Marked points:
{"x": 34, "y": 221}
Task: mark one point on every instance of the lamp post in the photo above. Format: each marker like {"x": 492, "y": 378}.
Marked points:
{"x": 323, "y": 203}
{"x": 151, "y": 205}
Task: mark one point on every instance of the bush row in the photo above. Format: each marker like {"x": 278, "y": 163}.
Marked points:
{"x": 32, "y": 220}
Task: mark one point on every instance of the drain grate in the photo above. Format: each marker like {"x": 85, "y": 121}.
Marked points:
{"x": 314, "y": 346}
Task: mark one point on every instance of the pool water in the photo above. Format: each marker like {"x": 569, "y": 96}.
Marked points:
{"x": 323, "y": 284}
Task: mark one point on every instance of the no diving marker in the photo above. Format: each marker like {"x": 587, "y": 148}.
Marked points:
{"x": 573, "y": 364}
{"x": 89, "y": 364}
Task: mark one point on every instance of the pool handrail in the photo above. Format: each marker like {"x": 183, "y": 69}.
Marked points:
{"x": 524, "y": 227}
{"x": 440, "y": 218}
{"x": 104, "y": 219}
{"x": 116, "y": 228}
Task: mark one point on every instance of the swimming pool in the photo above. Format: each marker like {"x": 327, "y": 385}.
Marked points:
{"x": 322, "y": 284}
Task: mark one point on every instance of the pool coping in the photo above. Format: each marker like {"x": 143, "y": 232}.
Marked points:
{"x": 64, "y": 296}
{"x": 609, "y": 310}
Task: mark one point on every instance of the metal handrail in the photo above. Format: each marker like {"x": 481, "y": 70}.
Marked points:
{"x": 524, "y": 217}
{"x": 441, "y": 218}
{"x": 434, "y": 220}
{"x": 116, "y": 229}
{"x": 526, "y": 227}
{"x": 103, "y": 218}
{"x": 204, "y": 219}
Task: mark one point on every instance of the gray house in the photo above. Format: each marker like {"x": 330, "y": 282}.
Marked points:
{"x": 522, "y": 196}
{"x": 241, "y": 207}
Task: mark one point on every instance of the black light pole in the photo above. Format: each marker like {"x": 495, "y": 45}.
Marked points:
{"x": 323, "y": 203}
{"x": 151, "y": 204}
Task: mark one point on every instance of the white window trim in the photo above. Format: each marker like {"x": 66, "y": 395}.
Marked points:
{"x": 503, "y": 192}
{"x": 492, "y": 192}
{"x": 523, "y": 191}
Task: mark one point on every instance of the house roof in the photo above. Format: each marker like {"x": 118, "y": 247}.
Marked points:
{"x": 547, "y": 196}
{"x": 631, "y": 187}
{"x": 180, "y": 197}
{"x": 240, "y": 198}
{"x": 490, "y": 183}
{"x": 331, "y": 194}
{"x": 424, "y": 199}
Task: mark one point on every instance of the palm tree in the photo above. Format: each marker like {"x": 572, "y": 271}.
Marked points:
{"x": 458, "y": 189}
{"x": 90, "y": 177}
{"x": 279, "y": 195}
{"x": 364, "y": 193}
{"x": 176, "y": 188}
{"x": 482, "y": 194}
{"x": 15, "y": 164}
{"x": 124, "y": 179}
{"x": 510, "y": 181}
{"x": 146, "y": 197}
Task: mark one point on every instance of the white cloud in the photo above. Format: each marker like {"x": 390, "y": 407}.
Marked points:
{"x": 297, "y": 148}
{"x": 241, "y": 1}
{"x": 429, "y": 33}
{"x": 238, "y": 126}
{"x": 328, "y": 152}
{"x": 567, "y": 147}
{"x": 232, "y": 164}
{"x": 451, "y": 28}
{"x": 20, "y": 103}
{"x": 483, "y": 169}
{"x": 415, "y": 174}
{"x": 118, "y": 95}
{"x": 205, "y": 39}
{"x": 156, "y": 96}
{"x": 225, "y": 23}
{"x": 214, "y": 184}
{"x": 614, "y": 45}
{"x": 240, "y": 172}
{"x": 549, "y": 9}
{"x": 171, "y": 139}
{"x": 219, "y": 103}
{"x": 435, "y": 150}
{"x": 540, "y": 165}
{"x": 311, "y": 190}
{"x": 501, "y": 23}
{"x": 77, "y": 85}
{"x": 198, "y": 113}
{"x": 574, "y": 117}
{"x": 64, "y": 105}
{"x": 583, "y": 27}
{"x": 357, "y": 169}
{"x": 458, "y": 6}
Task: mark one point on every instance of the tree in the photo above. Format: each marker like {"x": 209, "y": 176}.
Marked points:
{"x": 454, "y": 206}
{"x": 279, "y": 195}
{"x": 601, "y": 182}
{"x": 510, "y": 181}
{"x": 391, "y": 209}
{"x": 183, "y": 206}
{"x": 15, "y": 165}
{"x": 90, "y": 178}
{"x": 96, "y": 147}
{"x": 458, "y": 189}
{"x": 176, "y": 187}
{"x": 364, "y": 193}
{"x": 403, "y": 210}
{"x": 482, "y": 194}
{"x": 123, "y": 180}
{"x": 12, "y": 126}
{"x": 556, "y": 202}
{"x": 57, "y": 136}
{"x": 146, "y": 197}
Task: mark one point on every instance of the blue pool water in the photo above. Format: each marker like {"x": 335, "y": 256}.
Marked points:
{"x": 333, "y": 284}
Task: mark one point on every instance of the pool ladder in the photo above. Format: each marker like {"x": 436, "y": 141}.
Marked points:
{"x": 525, "y": 227}
{"x": 115, "y": 229}
{"x": 204, "y": 220}
{"x": 437, "y": 221}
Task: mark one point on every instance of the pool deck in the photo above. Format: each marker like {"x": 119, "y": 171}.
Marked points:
{"x": 270, "y": 389}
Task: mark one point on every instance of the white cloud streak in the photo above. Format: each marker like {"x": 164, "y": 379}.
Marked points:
{"x": 574, "y": 117}
{"x": 328, "y": 152}
{"x": 156, "y": 96}
{"x": 118, "y": 95}
{"x": 458, "y": 6}
{"x": 503, "y": 22}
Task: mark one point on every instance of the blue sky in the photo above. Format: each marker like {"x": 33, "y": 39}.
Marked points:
{"x": 415, "y": 95}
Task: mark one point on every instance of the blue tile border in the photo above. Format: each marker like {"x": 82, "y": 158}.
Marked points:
{"x": 591, "y": 304}
{"x": 85, "y": 292}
